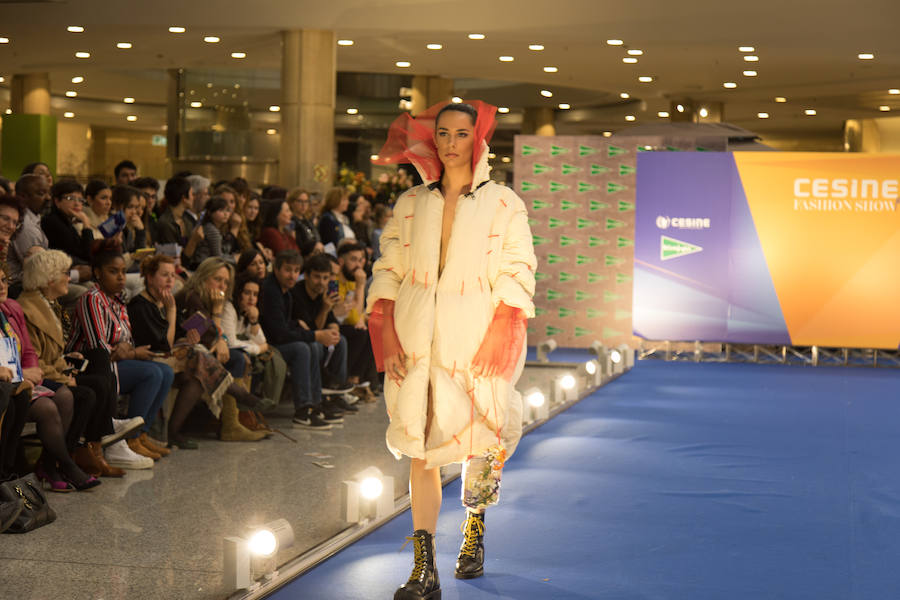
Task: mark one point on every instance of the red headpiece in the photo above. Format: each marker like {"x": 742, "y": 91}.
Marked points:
{"x": 412, "y": 139}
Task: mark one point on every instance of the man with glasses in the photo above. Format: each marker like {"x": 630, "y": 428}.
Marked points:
{"x": 34, "y": 190}
{"x": 305, "y": 230}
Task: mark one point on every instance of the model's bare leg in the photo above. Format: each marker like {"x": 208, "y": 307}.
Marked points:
{"x": 424, "y": 495}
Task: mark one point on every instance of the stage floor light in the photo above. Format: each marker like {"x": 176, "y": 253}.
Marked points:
{"x": 369, "y": 494}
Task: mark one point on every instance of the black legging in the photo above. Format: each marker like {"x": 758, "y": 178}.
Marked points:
{"x": 99, "y": 378}
{"x": 13, "y": 422}
{"x": 360, "y": 359}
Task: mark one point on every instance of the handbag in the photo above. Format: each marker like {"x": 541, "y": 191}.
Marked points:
{"x": 36, "y": 511}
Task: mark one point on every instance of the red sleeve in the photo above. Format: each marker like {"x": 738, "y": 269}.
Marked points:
{"x": 16, "y": 316}
{"x": 271, "y": 240}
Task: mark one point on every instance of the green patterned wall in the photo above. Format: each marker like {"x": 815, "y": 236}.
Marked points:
{"x": 579, "y": 191}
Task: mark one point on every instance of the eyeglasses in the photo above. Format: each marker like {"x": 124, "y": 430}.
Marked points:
{"x": 7, "y": 221}
{"x": 71, "y": 198}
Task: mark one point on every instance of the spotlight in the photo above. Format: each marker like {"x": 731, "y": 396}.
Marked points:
{"x": 535, "y": 406}
{"x": 627, "y": 354}
{"x": 593, "y": 373}
{"x": 370, "y": 494}
{"x": 590, "y": 367}
{"x": 604, "y": 359}
{"x": 544, "y": 349}
{"x": 567, "y": 382}
{"x": 261, "y": 543}
{"x": 615, "y": 356}
{"x": 565, "y": 389}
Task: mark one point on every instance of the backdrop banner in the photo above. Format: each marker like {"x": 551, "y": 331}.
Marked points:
{"x": 768, "y": 248}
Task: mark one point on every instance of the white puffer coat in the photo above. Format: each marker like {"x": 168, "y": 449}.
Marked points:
{"x": 442, "y": 322}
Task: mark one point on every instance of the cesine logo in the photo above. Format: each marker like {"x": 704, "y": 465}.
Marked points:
{"x": 662, "y": 222}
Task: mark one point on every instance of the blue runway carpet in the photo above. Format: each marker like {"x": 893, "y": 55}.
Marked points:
{"x": 679, "y": 482}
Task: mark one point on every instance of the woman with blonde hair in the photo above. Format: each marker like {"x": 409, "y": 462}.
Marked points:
{"x": 334, "y": 225}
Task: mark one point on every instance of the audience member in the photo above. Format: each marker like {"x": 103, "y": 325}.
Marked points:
{"x": 382, "y": 215}
{"x": 5, "y": 187}
{"x": 351, "y": 278}
{"x": 38, "y": 168}
{"x": 125, "y": 172}
{"x": 99, "y": 202}
{"x": 173, "y": 226}
{"x": 11, "y": 211}
{"x": 200, "y": 188}
{"x": 35, "y": 194}
{"x": 127, "y": 199}
{"x": 333, "y": 223}
{"x": 253, "y": 263}
{"x": 253, "y": 221}
{"x": 206, "y": 240}
{"x": 149, "y": 191}
{"x": 67, "y": 227}
{"x": 277, "y": 235}
{"x": 305, "y": 231}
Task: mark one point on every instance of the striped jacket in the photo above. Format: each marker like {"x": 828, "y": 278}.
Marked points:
{"x": 101, "y": 321}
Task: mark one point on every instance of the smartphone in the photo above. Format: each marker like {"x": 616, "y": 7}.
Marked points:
{"x": 78, "y": 364}
{"x": 332, "y": 287}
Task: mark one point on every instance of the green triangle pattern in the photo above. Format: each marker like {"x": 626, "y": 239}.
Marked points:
{"x": 581, "y": 332}
{"x": 566, "y": 241}
{"x": 565, "y": 312}
{"x": 532, "y": 222}
{"x": 528, "y": 186}
{"x": 555, "y": 258}
{"x": 612, "y": 261}
{"x": 554, "y": 222}
{"x": 627, "y": 170}
{"x": 540, "y": 204}
{"x": 554, "y": 295}
{"x": 609, "y": 332}
{"x": 599, "y": 169}
{"x": 595, "y": 313}
{"x": 581, "y": 296}
{"x": 614, "y": 224}
{"x": 612, "y": 187}
{"x": 529, "y": 150}
{"x": 585, "y": 223}
{"x": 569, "y": 169}
{"x": 557, "y": 150}
{"x": 539, "y": 311}
{"x": 596, "y": 277}
{"x": 586, "y": 187}
{"x": 580, "y": 259}
{"x": 622, "y": 242}
{"x": 586, "y": 151}
{"x": 538, "y": 240}
{"x": 673, "y": 149}
{"x": 568, "y": 205}
{"x": 609, "y": 296}
{"x": 551, "y": 330}
{"x": 625, "y": 206}
{"x": 596, "y": 205}
{"x": 564, "y": 277}
{"x": 556, "y": 186}
{"x": 538, "y": 276}
{"x": 622, "y": 278}
{"x": 594, "y": 241}
{"x": 615, "y": 151}
{"x": 539, "y": 169}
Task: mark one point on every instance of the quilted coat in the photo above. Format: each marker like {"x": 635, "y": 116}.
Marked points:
{"x": 441, "y": 321}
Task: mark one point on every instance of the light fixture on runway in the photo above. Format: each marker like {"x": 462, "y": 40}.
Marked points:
{"x": 535, "y": 406}
{"x": 604, "y": 359}
{"x": 370, "y": 494}
{"x": 261, "y": 544}
{"x": 627, "y": 354}
{"x": 565, "y": 389}
{"x": 592, "y": 373}
{"x": 544, "y": 349}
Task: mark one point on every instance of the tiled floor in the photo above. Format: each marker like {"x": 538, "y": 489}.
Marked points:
{"x": 158, "y": 533}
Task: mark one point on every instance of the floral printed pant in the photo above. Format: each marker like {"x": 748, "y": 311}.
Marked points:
{"x": 481, "y": 479}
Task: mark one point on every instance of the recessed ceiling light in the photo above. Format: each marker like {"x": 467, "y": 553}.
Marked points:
{"x": 703, "y": 112}
{"x": 607, "y": 133}
{"x": 78, "y": 79}
{"x": 780, "y": 99}
{"x": 645, "y": 79}
{"x": 403, "y": 64}
{"x": 8, "y": 111}
{"x": 274, "y": 108}
{"x": 196, "y": 104}
{"x": 4, "y": 40}
{"x": 456, "y": 100}
{"x": 624, "y": 95}
{"x": 551, "y": 69}
{"x": 546, "y": 93}
{"x": 375, "y": 157}
{"x": 476, "y": 36}
{"x": 123, "y": 45}
{"x": 746, "y": 49}
{"x": 884, "y": 108}
{"x": 564, "y": 106}
{"x": 506, "y": 58}
{"x": 729, "y": 84}
{"x": 82, "y": 55}
{"x": 866, "y": 56}
{"x": 176, "y": 29}
{"x": 629, "y": 60}
{"x": 662, "y": 114}
{"x": 751, "y": 58}
{"x": 271, "y": 131}
{"x": 68, "y": 115}
{"x": 762, "y": 115}
{"x": 2, "y": 79}
{"x": 131, "y": 118}
{"x": 502, "y": 110}
{"x": 75, "y": 28}
{"x": 238, "y": 55}
{"x": 506, "y": 159}
{"x": 750, "y": 73}
{"x": 491, "y": 155}
{"x": 810, "y": 111}
{"x": 345, "y": 42}
{"x": 71, "y": 94}
{"x": 128, "y": 100}
{"x": 208, "y": 84}
{"x": 211, "y": 39}
{"x": 615, "y": 42}
{"x": 536, "y": 47}
{"x": 434, "y": 46}
{"x": 352, "y": 111}
{"x": 893, "y": 91}
{"x": 635, "y": 52}
{"x": 630, "y": 117}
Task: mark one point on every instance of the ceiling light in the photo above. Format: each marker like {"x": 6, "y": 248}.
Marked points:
{"x": 211, "y": 39}
{"x": 751, "y": 58}
{"x": 82, "y": 55}
{"x": 505, "y": 159}
{"x": 762, "y": 115}
{"x": 729, "y": 84}
{"x": 476, "y": 36}
{"x": 679, "y": 108}
{"x": 68, "y": 115}
{"x": 8, "y": 111}
{"x": 634, "y": 52}
{"x": 607, "y": 133}
{"x": 551, "y": 69}
{"x": 615, "y": 42}
{"x": 455, "y": 99}
{"x": 624, "y": 95}
{"x": 128, "y": 100}
{"x": 893, "y": 91}
{"x": 564, "y": 106}
{"x": 750, "y": 73}
{"x": 662, "y": 114}
{"x": 491, "y": 155}
{"x": 274, "y": 108}
{"x": 434, "y": 46}
{"x": 75, "y": 28}
{"x": 2, "y": 79}
{"x": 503, "y": 110}
{"x": 884, "y": 108}
{"x": 536, "y": 47}
{"x": 196, "y": 104}
{"x": 746, "y": 49}
{"x": 271, "y": 131}
{"x": 4, "y": 40}
{"x": 506, "y": 58}
{"x": 238, "y": 55}
{"x": 403, "y": 64}
{"x": 703, "y": 112}
{"x": 352, "y": 111}
{"x": 176, "y": 29}
{"x": 780, "y": 99}
{"x": 77, "y": 79}
{"x": 71, "y": 94}
{"x": 131, "y": 118}
{"x": 630, "y": 117}
{"x": 546, "y": 93}
{"x": 345, "y": 42}
{"x": 810, "y": 111}
{"x": 645, "y": 79}
{"x": 123, "y": 45}
{"x": 375, "y": 157}
{"x": 629, "y": 59}
{"x": 866, "y": 56}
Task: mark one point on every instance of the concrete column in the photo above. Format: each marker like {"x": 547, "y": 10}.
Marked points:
{"x": 174, "y": 113}
{"x": 30, "y": 93}
{"x": 29, "y": 133}
{"x": 539, "y": 121}
{"x": 308, "y": 74}
{"x": 428, "y": 91}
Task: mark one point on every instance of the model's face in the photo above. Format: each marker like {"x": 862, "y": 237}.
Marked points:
{"x": 257, "y": 267}
{"x": 164, "y": 278}
{"x": 111, "y": 277}
{"x": 249, "y": 295}
{"x": 70, "y": 204}
{"x": 251, "y": 210}
{"x": 101, "y": 202}
{"x": 453, "y": 136}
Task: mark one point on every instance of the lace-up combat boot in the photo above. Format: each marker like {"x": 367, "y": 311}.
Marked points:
{"x": 470, "y": 562}
{"x": 423, "y": 584}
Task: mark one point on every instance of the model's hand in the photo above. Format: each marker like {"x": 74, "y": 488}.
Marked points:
{"x": 502, "y": 345}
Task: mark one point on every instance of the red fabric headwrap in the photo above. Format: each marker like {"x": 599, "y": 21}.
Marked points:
{"x": 411, "y": 140}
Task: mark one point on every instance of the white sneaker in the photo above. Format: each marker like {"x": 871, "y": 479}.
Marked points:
{"x": 120, "y": 455}
{"x": 121, "y": 427}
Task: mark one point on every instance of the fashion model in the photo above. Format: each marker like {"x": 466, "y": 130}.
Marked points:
{"x": 449, "y": 301}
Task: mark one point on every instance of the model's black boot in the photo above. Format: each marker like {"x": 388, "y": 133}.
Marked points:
{"x": 423, "y": 584}
{"x": 470, "y": 562}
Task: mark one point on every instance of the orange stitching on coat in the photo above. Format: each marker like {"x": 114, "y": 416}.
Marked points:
{"x": 462, "y": 287}
{"x": 409, "y": 216}
{"x": 406, "y": 245}
{"x": 481, "y": 285}
{"x": 414, "y": 359}
{"x": 414, "y": 277}
{"x": 456, "y": 439}
{"x": 493, "y": 235}
{"x": 489, "y": 251}
{"x": 389, "y": 269}
{"x": 453, "y": 372}
{"x": 426, "y": 278}
{"x": 503, "y": 202}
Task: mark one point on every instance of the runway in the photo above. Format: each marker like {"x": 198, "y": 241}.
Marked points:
{"x": 679, "y": 481}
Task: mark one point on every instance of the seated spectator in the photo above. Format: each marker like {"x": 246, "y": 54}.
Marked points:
{"x": 39, "y": 168}
{"x": 253, "y": 222}
{"x": 99, "y": 202}
{"x": 67, "y": 227}
{"x": 305, "y": 231}
{"x": 206, "y": 240}
{"x": 149, "y": 195}
{"x": 127, "y": 199}
{"x": 383, "y": 214}
{"x": 11, "y": 211}
{"x": 296, "y": 343}
{"x": 351, "y": 278}
{"x": 35, "y": 194}
{"x": 277, "y": 235}
{"x": 46, "y": 279}
{"x": 333, "y": 223}
{"x": 5, "y": 187}
{"x": 101, "y": 321}
{"x": 173, "y": 226}
{"x": 360, "y": 220}
{"x": 206, "y": 293}
{"x": 200, "y": 189}
{"x": 125, "y": 172}
{"x": 252, "y": 263}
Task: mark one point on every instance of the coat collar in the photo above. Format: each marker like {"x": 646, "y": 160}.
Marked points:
{"x": 39, "y": 314}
